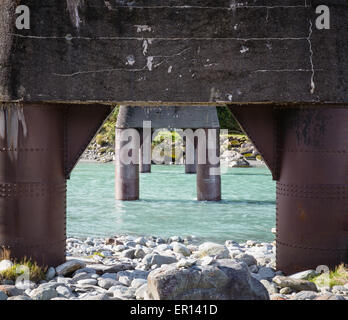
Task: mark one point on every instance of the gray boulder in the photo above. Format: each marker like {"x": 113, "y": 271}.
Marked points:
{"x": 21, "y": 297}
{"x": 304, "y": 295}
{"x": 69, "y": 267}
{"x": 107, "y": 283}
{"x": 213, "y": 249}
{"x": 304, "y": 275}
{"x": 181, "y": 248}
{"x": 247, "y": 258}
{"x": 295, "y": 284}
{"x": 43, "y": 293}
{"x": 223, "y": 280}
{"x": 3, "y": 296}
{"x": 153, "y": 258}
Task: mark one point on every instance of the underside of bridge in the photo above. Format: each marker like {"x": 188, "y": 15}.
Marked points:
{"x": 283, "y": 78}
{"x": 136, "y": 123}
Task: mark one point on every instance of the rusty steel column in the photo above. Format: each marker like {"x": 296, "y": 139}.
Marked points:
{"x": 126, "y": 172}
{"x": 190, "y": 159}
{"x": 32, "y": 182}
{"x": 145, "y": 151}
{"x": 312, "y": 191}
{"x": 208, "y": 167}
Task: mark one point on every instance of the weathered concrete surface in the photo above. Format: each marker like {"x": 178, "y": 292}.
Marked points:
{"x": 168, "y": 117}
{"x": 171, "y": 52}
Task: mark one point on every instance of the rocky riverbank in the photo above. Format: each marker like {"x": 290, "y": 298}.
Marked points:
{"x": 236, "y": 151}
{"x": 129, "y": 268}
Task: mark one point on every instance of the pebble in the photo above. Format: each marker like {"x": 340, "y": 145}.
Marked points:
{"x": 89, "y": 281}
{"x": 107, "y": 283}
{"x": 121, "y": 272}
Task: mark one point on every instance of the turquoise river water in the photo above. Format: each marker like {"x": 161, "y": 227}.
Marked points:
{"x": 168, "y": 206}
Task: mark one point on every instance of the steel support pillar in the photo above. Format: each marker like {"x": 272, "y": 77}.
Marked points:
{"x": 312, "y": 190}
{"x": 145, "y": 151}
{"x": 32, "y": 183}
{"x": 306, "y": 149}
{"x": 190, "y": 155}
{"x": 127, "y": 164}
{"x": 39, "y": 146}
{"x": 208, "y": 166}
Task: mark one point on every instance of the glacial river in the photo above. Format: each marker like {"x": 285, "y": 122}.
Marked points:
{"x": 168, "y": 206}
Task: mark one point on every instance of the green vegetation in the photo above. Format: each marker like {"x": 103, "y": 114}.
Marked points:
{"x": 36, "y": 272}
{"x": 106, "y": 135}
{"x": 227, "y": 121}
{"x": 336, "y": 277}
{"x": 96, "y": 254}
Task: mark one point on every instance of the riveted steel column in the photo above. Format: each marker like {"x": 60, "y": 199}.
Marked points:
{"x": 32, "y": 182}
{"x": 127, "y": 172}
{"x": 312, "y": 191}
{"x": 145, "y": 151}
{"x": 208, "y": 167}
{"x": 190, "y": 159}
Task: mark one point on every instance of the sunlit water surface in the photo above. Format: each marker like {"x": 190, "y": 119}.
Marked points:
{"x": 168, "y": 206}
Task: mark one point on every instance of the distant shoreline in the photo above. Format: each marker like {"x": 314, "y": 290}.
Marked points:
{"x": 253, "y": 163}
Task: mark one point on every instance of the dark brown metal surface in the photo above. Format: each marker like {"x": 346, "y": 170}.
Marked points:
{"x": 312, "y": 192}
{"x": 39, "y": 146}
{"x": 82, "y": 122}
{"x": 32, "y": 182}
{"x": 307, "y": 151}
{"x": 208, "y": 173}
{"x": 126, "y": 175}
{"x": 260, "y": 125}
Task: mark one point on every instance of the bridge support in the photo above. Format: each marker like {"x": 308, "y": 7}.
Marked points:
{"x": 190, "y": 155}
{"x": 208, "y": 167}
{"x": 312, "y": 190}
{"x": 145, "y": 151}
{"x": 39, "y": 146}
{"x": 306, "y": 149}
{"x": 32, "y": 183}
{"x": 126, "y": 165}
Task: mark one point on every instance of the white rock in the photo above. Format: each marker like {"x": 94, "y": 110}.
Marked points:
{"x": 141, "y": 240}
{"x": 185, "y": 263}
{"x": 213, "y": 249}
{"x": 181, "y": 248}
{"x": 141, "y": 292}
{"x": 89, "y": 281}
{"x": 137, "y": 283}
{"x": 5, "y": 264}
